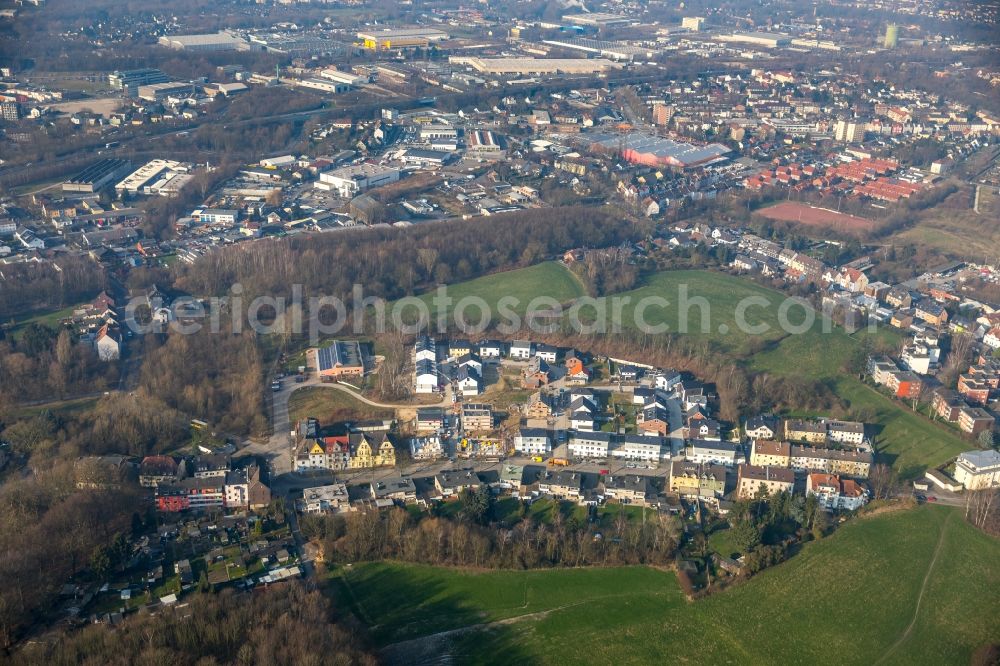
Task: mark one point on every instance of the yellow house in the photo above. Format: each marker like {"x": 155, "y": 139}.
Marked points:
{"x": 805, "y": 431}
{"x": 765, "y": 453}
{"x": 366, "y": 452}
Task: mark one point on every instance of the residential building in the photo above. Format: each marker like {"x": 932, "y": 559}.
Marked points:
{"x": 978, "y": 469}
{"x": 108, "y": 343}
{"x": 833, "y": 461}
{"x": 426, "y": 448}
{"x": 947, "y": 404}
{"x": 751, "y": 479}
{"x": 369, "y": 450}
{"x": 761, "y": 427}
{"x": 520, "y": 350}
{"x": 805, "y": 431}
{"x": 974, "y": 420}
{"x": 627, "y": 489}
{"x": 477, "y": 417}
{"x": 430, "y": 419}
{"x": 584, "y": 444}
{"x": 714, "y": 453}
{"x": 532, "y": 441}
{"x": 332, "y": 498}
{"x": 765, "y": 453}
{"x": 695, "y": 480}
{"x": 835, "y": 494}
{"x": 846, "y": 432}
{"x": 637, "y": 447}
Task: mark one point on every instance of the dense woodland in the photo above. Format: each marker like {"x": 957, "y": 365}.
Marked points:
{"x": 213, "y": 376}
{"x": 43, "y": 363}
{"x": 48, "y": 531}
{"x": 29, "y": 286}
{"x": 286, "y": 624}
{"x": 391, "y": 263}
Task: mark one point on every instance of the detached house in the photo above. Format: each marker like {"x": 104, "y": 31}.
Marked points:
{"x": 835, "y": 494}
{"x": 108, "y": 343}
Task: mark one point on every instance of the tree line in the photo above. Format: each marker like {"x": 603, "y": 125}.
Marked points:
{"x": 477, "y": 536}
{"x": 286, "y": 624}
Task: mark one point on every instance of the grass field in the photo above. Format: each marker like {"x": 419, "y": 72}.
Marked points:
{"x": 847, "y": 599}
{"x": 330, "y": 405}
{"x": 50, "y": 318}
{"x": 549, "y": 279}
{"x": 686, "y": 291}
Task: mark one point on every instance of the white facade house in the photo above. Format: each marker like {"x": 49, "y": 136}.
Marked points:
{"x": 992, "y": 338}
{"x": 667, "y": 380}
{"x": 713, "y": 453}
{"x": 846, "y": 432}
{"x": 532, "y": 441}
{"x": 547, "y": 353}
{"x": 520, "y": 350}
{"x": 425, "y": 377}
{"x": 590, "y": 444}
{"x": 637, "y": 447}
{"x": 490, "y": 349}
{"x": 581, "y": 420}
{"x": 836, "y": 494}
{"x": 108, "y": 344}
{"x": 426, "y": 448}
{"x": 978, "y": 469}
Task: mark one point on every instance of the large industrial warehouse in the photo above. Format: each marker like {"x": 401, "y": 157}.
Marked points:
{"x": 655, "y": 151}
{"x": 528, "y": 66}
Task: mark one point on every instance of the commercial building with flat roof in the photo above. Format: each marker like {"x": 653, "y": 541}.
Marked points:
{"x": 622, "y": 51}
{"x": 655, "y": 151}
{"x": 154, "y": 92}
{"x": 351, "y": 180}
{"x": 769, "y": 40}
{"x": 398, "y": 38}
{"x": 341, "y": 359}
{"x": 219, "y": 41}
{"x": 139, "y": 180}
{"x": 129, "y": 80}
{"x": 526, "y": 66}
{"x": 97, "y": 176}
{"x": 597, "y": 19}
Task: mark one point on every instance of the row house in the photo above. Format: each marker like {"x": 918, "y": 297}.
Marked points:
{"x": 833, "y": 461}
{"x": 751, "y": 479}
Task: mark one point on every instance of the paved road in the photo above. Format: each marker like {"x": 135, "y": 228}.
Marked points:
{"x": 277, "y": 449}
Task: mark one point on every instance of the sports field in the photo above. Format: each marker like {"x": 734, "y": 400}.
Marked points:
{"x": 820, "y": 218}
{"x": 906, "y": 587}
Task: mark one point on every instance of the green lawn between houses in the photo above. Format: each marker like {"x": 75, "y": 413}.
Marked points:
{"x": 907, "y": 439}
{"x": 847, "y": 599}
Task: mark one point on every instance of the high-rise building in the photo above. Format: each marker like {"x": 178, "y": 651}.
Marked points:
{"x": 849, "y": 131}
{"x": 891, "y": 36}
{"x": 693, "y": 23}
{"x": 662, "y": 113}
{"x": 10, "y": 110}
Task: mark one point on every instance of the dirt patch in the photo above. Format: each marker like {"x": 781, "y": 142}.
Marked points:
{"x": 811, "y": 216}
